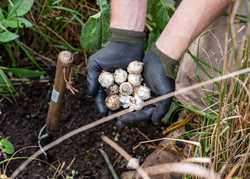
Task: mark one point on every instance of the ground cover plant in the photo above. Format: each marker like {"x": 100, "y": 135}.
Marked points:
{"x": 32, "y": 33}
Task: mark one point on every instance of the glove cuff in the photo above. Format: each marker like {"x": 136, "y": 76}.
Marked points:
{"x": 121, "y": 35}
{"x": 170, "y": 65}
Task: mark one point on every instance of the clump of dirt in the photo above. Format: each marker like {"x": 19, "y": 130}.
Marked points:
{"x": 22, "y": 120}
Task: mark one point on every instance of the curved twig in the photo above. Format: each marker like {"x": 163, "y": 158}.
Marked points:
{"x": 182, "y": 168}
{"x": 123, "y": 153}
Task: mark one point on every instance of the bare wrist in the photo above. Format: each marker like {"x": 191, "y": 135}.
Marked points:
{"x": 128, "y": 15}
{"x": 135, "y": 23}
{"x": 127, "y": 26}
{"x": 173, "y": 49}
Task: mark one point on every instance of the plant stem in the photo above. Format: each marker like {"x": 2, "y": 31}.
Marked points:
{"x": 111, "y": 168}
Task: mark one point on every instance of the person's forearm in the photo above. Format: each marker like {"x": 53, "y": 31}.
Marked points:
{"x": 189, "y": 20}
{"x": 128, "y": 14}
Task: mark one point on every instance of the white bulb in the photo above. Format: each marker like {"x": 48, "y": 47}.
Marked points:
{"x": 114, "y": 89}
{"x": 135, "y": 79}
{"x": 126, "y": 89}
{"x": 106, "y": 79}
{"x": 113, "y": 102}
{"x": 125, "y": 100}
{"x": 135, "y": 67}
{"x": 143, "y": 92}
{"x": 135, "y": 103}
{"x": 120, "y": 76}
{"x": 121, "y": 84}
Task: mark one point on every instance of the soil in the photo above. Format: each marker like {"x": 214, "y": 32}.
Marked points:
{"x": 21, "y": 121}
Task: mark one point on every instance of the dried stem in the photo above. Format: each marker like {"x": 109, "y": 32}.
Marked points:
{"x": 170, "y": 139}
{"x": 110, "y": 167}
{"x": 122, "y": 152}
{"x": 182, "y": 168}
{"x": 117, "y": 148}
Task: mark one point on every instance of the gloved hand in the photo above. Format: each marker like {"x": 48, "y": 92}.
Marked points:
{"x": 159, "y": 74}
{"x": 123, "y": 47}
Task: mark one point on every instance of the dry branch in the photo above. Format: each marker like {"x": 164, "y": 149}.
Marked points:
{"x": 123, "y": 153}
{"x": 182, "y": 168}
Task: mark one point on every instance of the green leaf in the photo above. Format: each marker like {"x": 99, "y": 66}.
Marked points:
{"x": 29, "y": 54}
{"x": 105, "y": 16}
{"x": 90, "y": 32}
{"x": 25, "y": 22}
{"x": 159, "y": 13}
{"x": 174, "y": 108}
{"x": 150, "y": 8}
{"x": 7, "y": 36}
{"x": 6, "y": 146}
{"x": 16, "y": 22}
{"x": 153, "y": 35}
{"x": 5, "y": 84}
{"x": 23, "y": 73}
{"x": 1, "y": 14}
{"x": 95, "y": 32}
{"x": 102, "y": 4}
{"x": 171, "y": 4}
{"x": 66, "y": 9}
{"x": 20, "y": 8}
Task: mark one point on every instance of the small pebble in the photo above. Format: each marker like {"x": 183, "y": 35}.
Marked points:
{"x": 117, "y": 137}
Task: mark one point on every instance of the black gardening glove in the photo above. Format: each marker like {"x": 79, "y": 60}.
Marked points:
{"x": 159, "y": 74}
{"x": 124, "y": 46}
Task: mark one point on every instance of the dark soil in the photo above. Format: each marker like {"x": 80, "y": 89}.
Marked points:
{"x": 21, "y": 121}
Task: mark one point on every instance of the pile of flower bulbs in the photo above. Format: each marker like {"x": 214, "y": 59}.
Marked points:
{"x": 124, "y": 88}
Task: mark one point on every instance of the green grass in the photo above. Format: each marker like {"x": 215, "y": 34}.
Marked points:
{"x": 223, "y": 129}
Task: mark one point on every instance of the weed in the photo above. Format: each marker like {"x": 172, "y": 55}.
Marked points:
{"x": 224, "y": 126}
{"x": 6, "y": 146}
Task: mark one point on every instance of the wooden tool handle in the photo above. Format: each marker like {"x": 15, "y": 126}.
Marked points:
{"x": 65, "y": 59}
